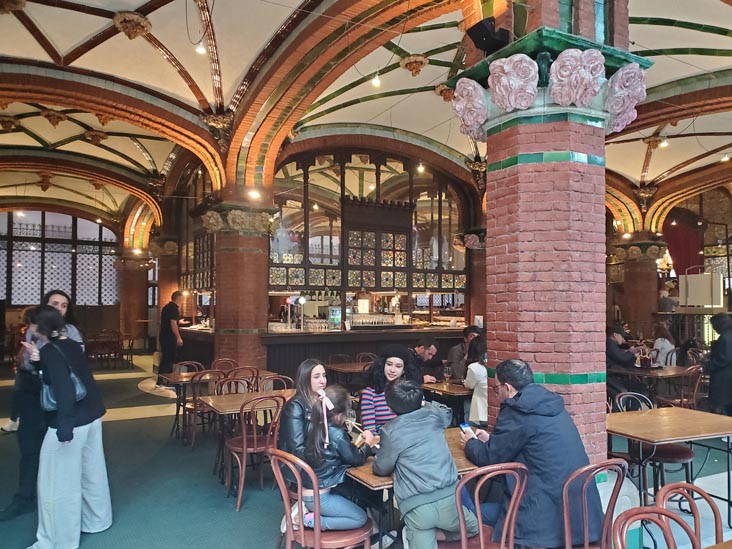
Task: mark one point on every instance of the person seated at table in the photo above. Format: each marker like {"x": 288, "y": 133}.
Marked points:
{"x": 534, "y": 428}
{"x": 615, "y": 355}
{"x": 456, "y": 357}
{"x": 423, "y": 355}
{"x": 330, "y": 451}
{"x": 295, "y": 419}
{"x": 664, "y": 343}
{"x": 393, "y": 363}
{"x": 719, "y": 365}
{"x": 414, "y": 452}
{"x": 477, "y": 380}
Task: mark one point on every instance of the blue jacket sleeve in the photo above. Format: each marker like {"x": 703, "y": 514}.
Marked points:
{"x": 509, "y": 436}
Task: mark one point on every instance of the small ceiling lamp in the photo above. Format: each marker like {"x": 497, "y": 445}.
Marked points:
{"x": 99, "y": 220}
{"x": 725, "y": 158}
{"x": 372, "y": 187}
{"x": 673, "y": 222}
{"x": 254, "y": 194}
{"x": 626, "y": 236}
{"x": 376, "y": 81}
{"x": 137, "y": 251}
{"x": 200, "y": 48}
{"x": 316, "y": 207}
{"x": 700, "y": 222}
{"x": 663, "y": 143}
{"x": 420, "y": 168}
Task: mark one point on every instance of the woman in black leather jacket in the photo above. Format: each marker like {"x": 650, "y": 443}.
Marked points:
{"x": 295, "y": 418}
{"x": 330, "y": 452}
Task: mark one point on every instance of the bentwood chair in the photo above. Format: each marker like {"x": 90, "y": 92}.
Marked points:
{"x": 310, "y": 537}
{"x": 202, "y": 384}
{"x": 659, "y": 456}
{"x": 688, "y": 390}
{"x": 259, "y": 421}
{"x": 224, "y": 364}
{"x": 339, "y": 358}
{"x": 691, "y": 494}
{"x": 585, "y": 478}
{"x": 250, "y": 373}
{"x": 366, "y": 357}
{"x": 275, "y": 383}
{"x": 187, "y": 366}
{"x": 515, "y": 473}
{"x": 662, "y": 518}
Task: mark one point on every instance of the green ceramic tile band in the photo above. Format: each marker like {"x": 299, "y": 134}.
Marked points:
{"x": 563, "y": 379}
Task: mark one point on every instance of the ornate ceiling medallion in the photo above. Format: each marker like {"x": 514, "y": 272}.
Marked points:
{"x": 132, "y": 24}
{"x": 8, "y": 123}
{"x": 447, "y": 94}
{"x": 645, "y": 195}
{"x": 95, "y": 137}
{"x": 104, "y": 119}
{"x": 45, "y": 181}
{"x": 7, "y": 6}
{"x": 220, "y": 126}
{"x": 414, "y": 63}
{"x": 98, "y": 185}
{"x": 54, "y": 117}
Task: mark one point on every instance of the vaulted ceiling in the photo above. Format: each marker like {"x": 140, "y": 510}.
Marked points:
{"x": 100, "y": 100}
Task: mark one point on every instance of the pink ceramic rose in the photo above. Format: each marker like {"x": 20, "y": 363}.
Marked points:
{"x": 626, "y": 89}
{"x": 575, "y": 77}
{"x": 514, "y": 82}
{"x": 476, "y": 132}
{"x": 472, "y": 241}
{"x": 469, "y": 102}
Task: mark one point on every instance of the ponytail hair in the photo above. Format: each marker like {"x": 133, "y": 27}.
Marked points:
{"x": 317, "y": 438}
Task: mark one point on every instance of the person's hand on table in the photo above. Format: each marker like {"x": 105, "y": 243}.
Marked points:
{"x": 429, "y": 379}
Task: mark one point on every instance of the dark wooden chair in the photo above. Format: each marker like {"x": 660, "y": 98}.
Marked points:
{"x": 662, "y": 518}
{"x": 310, "y": 537}
{"x": 659, "y": 456}
{"x": 691, "y": 494}
{"x": 224, "y": 364}
{"x": 587, "y": 476}
{"x": 202, "y": 384}
{"x": 250, "y": 373}
{"x": 366, "y": 357}
{"x": 259, "y": 420}
{"x": 187, "y": 366}
{"x": 688, "y": 390}
{"x": 695, "y": 356}
{"x": 275, "y": 383}
{"x": 230, "y": 386}
{"x": 483, "y": 540}
{"x": 339, "y": 358}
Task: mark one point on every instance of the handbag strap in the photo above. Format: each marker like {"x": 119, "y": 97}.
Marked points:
{"x": 66, "y": 359}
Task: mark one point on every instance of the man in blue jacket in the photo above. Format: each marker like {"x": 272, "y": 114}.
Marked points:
{"x": 534, "y": 428}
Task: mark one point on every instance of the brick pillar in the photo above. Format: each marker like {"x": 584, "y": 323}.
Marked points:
{"x": 640, "y": 300}
{"x": 242, "y": 267}
{"x": 133, "y": 292}
{"x": 476, "y": 276}
{"x": 168, "y": 278}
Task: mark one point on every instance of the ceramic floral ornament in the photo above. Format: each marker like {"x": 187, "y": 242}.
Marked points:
{"x": 626, "y": 88}
{"x": 469, "y": 104}
{"x": 514, "y": 82}
{"x": 212, "y": 221}
{"x": 576, "y": 77}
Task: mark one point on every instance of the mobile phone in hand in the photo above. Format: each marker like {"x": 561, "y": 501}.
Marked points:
{"x": 465, "y": 428}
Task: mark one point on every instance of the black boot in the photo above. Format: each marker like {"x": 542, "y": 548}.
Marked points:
{"x": 19, "y": 506}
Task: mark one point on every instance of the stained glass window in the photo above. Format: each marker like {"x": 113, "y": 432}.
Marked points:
{"x": 110, "y": 283}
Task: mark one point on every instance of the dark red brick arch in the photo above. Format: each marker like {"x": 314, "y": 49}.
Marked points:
{"x": 33, "y": 88}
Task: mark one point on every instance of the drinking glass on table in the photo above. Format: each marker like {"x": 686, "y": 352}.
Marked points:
{"x": 447, "y": 372}
{"x": 350, "y": 419}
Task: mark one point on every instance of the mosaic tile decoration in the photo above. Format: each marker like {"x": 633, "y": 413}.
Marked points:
{"x": 277, "y": 276}
{"x": 432, "y": 280}
{"x": 400, "y": 279}
{"x": 447, "y": 281}
{"x": 418, "y": 280}
{"x": 387, "y": 279}
{"x": 400, "y": 259}
{"x": 369, "y": 240}
{"x": 387, "y": 259}
{"x": 354, "y": 256}
{"x": 460, "y": 281}
{"x": 387, "y": 241}
{"x": 369, "y": 279}
{"x": 297, "y": 276}
{"x": 354, "y": 239}
{"x": 369, "y": 258}
{"x": 400, "y": 242}
{"x": 333, "y": 277}
{"x": 354, "y": 278}
{"x": 317, "y": 277}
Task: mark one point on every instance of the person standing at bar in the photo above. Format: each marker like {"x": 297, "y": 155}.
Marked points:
{"x": 169, "y": 335}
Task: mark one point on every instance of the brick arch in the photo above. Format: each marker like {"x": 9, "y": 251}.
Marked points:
{"x": 136, "y": 232}
{"x": 620, "y": 200}
{"x": 266, "y": 131}
{"x": 169, "y": 121}
{"x": 14, "y": 203}
{"x": 79, "y": 167}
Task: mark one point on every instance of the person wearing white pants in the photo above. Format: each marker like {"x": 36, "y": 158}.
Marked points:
{"x": 73, "y": 490}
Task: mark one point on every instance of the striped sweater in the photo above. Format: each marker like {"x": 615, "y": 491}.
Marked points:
{"x": 374, "y": 410}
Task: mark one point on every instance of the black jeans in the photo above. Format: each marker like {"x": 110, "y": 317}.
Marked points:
{"x": 168, "y": 353}
{"x": 31, "y": 431}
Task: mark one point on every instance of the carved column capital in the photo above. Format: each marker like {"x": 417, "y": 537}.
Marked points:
{"x": 241, "y": 220}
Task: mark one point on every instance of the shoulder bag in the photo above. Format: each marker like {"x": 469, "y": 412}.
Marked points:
{"x": 48, "y": 397}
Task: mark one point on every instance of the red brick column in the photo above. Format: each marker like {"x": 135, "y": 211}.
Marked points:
{"x": 476, "y": 275}
{"x": 133, "y": 296}
{"x": 545, "y": 259}
{"x": 640, "y": 298}
{"x": 242, "y": 268}
{"x": 168, "y": 278}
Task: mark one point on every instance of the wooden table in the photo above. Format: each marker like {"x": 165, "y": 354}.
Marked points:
{"x": 348, "y": 374}
{"x": 724, "y": 545}
{"x": 454, "y": 395}
{"x": 347, "y": 367}
{"x": 230, "y": 404}
{"x": 649, "y": 376}
{"x": 674, "y": 425}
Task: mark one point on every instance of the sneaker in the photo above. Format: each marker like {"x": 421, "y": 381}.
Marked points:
{"x": 11, "y": 426}
{"x": 387, "y": 540}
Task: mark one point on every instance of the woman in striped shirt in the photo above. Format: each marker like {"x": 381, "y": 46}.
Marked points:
{"x": 395, "y": 362}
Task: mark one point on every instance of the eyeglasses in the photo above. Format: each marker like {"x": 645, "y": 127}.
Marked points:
{"x": 497, "y": 388}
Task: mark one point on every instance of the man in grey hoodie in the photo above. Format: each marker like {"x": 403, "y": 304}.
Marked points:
{"x": 420, "y": 461}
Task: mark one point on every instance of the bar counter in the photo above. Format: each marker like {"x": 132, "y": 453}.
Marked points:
{"x": 198, "y": 345}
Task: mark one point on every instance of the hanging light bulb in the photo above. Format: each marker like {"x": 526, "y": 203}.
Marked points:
{"x": 375, "y": 81}
{"x": 316, "y": 207}
{"x": 725, "y": 157}
{"x": 664, "y": 143}
{"x": 200, "y": 48}
{"x": 673, "y": 222}
{"x": 420, "y": 168}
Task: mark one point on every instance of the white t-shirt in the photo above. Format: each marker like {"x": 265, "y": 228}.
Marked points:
{"x": 664, "y": 347}
{"x": 477, "y": 380}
